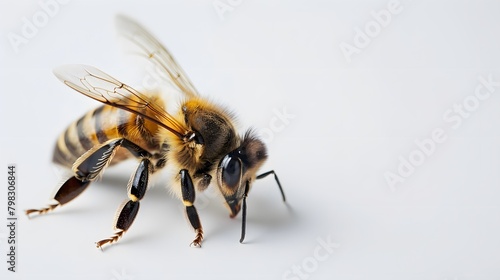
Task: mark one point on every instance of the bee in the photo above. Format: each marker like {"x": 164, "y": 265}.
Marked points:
{"x": 199, "y": 141}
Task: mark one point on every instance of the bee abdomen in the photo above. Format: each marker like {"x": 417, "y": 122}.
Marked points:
{"x": 95, "y": 127}
{"x": 100, "y": 125}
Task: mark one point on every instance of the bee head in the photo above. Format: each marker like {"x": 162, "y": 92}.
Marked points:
{"x": 238, "y": 168}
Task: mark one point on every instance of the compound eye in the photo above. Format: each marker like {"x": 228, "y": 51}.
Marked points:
{"x": 231, "y": 171}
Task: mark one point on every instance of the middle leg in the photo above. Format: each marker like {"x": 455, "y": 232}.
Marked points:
{"x": 127, "y": 212}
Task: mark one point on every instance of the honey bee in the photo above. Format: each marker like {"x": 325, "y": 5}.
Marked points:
{"x": 199, "y": 141}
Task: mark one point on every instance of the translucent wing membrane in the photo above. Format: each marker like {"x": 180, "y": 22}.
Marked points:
{"x": 141, "y": 43}
{"x": 100, "y": 86}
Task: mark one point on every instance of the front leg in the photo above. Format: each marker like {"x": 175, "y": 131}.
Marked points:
{"x": 188, "y": 196}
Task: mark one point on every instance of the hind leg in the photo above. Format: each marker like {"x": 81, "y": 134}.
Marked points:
{"x": 85, "y": 170}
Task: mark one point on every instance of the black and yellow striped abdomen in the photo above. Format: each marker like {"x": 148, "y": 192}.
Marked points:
{"x": 100, "y": 125}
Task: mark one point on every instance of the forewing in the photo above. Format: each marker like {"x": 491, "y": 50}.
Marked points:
{"x": 100, "y": 86}
{"x": 143, "y": 44}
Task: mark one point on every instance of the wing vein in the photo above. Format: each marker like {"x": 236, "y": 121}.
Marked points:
{"x": 102, "y": 87}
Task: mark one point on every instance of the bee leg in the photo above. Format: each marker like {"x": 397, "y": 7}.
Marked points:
{"x": 67, "y": 192}
{"x": 188, "y": 196}
{"x": 127, "y": 212}
{"x": 86, "y": 169}
{"x": 265, "y": 174}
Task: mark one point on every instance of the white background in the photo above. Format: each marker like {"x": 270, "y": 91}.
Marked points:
{"x": 353, "y": 123}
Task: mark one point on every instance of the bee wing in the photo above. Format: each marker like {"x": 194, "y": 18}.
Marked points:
{"x": 143, "y": 44}
{"x": 100, "y": 86}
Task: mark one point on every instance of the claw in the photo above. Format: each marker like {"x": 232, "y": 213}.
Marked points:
{"x": 195, "y": 244}
{"x": 41, "y": 210}
{"x": 110, "y": 240}
{"x": 198, "y": 239}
